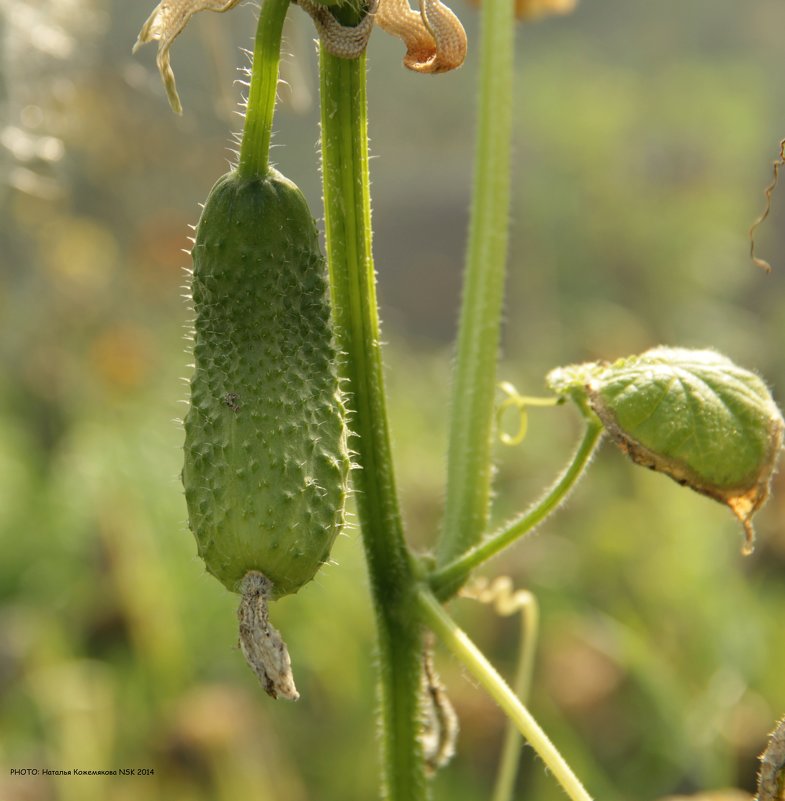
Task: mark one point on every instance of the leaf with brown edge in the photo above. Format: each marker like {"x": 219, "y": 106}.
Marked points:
{"x": 771, "y": 778}
{"x": 691, "y": 414}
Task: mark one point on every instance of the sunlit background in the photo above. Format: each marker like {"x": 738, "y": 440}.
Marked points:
{"x": 644, "y": 134}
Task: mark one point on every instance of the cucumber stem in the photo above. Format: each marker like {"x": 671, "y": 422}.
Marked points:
{"x": 353, "y": 289}
{"x": 255, "y": 146}
{"x": 446, "y": 580}
{"x": 481, "y": 669}
{"x": 504, "y": 789}
{"x": 469, "y": 463}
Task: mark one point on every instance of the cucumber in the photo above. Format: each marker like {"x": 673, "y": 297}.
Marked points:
{"x": 266, "y": 461}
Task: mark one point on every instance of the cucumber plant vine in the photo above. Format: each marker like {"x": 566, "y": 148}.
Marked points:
{"x": 280, "y": 357}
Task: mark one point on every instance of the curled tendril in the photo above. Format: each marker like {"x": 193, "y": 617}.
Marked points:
{"x": 512, "y": 401}
{"x": 501, "y": 593}
{"x": 768, "y": 192}
{"x": 515, "y": 400}
{"x": 508, "y": 601}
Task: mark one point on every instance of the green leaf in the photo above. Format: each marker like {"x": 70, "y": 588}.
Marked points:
{"x": 691, "y": 414}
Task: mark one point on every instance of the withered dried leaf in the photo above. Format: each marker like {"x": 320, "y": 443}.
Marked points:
{"x": 164, "y": 25}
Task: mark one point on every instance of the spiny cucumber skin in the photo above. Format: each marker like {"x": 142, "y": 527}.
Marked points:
{"x": 266, "y": 462}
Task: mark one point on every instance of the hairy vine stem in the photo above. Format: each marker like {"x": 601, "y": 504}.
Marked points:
{"x": 469, "y": 464}
{"x": 482, "y": 670}
{"x": 447, "y": 579}
{"x": 352, "y": 281}
{"x": 255, "y": 146}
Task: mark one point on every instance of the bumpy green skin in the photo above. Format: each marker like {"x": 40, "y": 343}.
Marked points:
{"x": 266, "y": 462}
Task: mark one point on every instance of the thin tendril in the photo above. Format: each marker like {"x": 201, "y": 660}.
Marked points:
{"x": 768, "y": 192}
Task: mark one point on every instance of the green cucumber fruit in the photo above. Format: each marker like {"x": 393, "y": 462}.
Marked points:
{"x": 266, "y": 462}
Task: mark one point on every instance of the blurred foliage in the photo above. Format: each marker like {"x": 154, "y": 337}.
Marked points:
{"x": 644, "y": 138}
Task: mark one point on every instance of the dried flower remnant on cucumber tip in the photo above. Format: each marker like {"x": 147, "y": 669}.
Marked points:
{"x": 261, "y": 644}
{"x": 691, "y": 414}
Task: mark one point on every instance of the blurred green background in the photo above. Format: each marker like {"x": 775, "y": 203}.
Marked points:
{"x": 644, "y": 136}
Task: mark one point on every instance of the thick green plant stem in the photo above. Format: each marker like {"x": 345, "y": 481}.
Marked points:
{"x": 469, "y": 467}
{"x": 255, "y": 146}
{"x": 352, "y": 282}
{"x": 447, "y": 579}
{"x": 475, "y": 662}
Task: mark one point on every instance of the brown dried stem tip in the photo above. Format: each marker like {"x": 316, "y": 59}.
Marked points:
{"x": 261, "y": 643}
